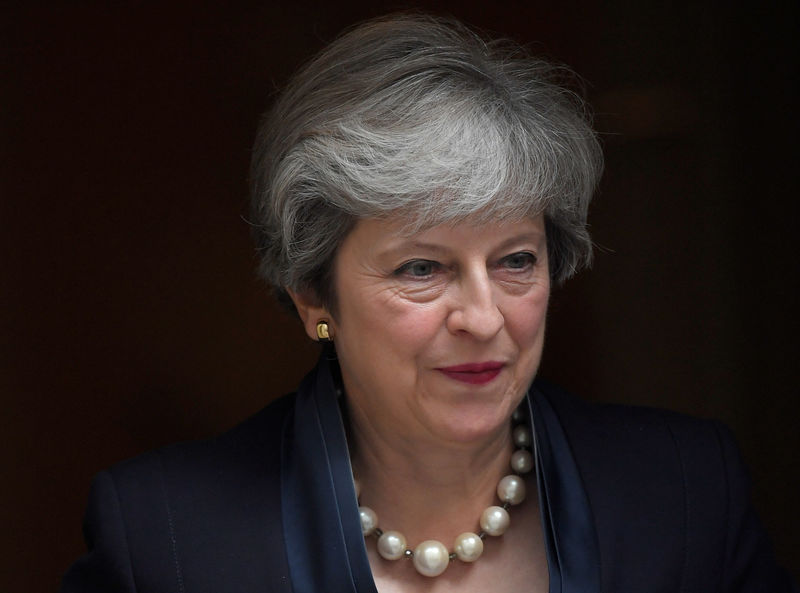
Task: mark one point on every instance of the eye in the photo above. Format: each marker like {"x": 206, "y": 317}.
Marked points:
{"x": 418, "y": 268}
{"x": 519, "y": 261}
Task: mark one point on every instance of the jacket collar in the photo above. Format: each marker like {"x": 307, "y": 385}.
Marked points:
{"x": 324, "y": 544}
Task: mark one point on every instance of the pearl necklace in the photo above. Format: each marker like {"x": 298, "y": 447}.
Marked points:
{"x": 432, "y": 557}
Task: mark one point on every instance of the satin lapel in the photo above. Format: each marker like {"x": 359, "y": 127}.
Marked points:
{"x": 324, "y": 543}
{"x": 573, "y": 555}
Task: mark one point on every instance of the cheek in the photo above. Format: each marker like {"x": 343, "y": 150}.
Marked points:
{"x": 525, "y": 321}
{"x": 410, "y": 327}
{"x": 375, "y": 322}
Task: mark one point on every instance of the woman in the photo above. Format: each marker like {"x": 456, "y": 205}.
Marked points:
{"x": 416, "y": 192}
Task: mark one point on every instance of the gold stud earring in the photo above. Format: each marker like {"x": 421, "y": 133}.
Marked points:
{"x": 323, "y": 332}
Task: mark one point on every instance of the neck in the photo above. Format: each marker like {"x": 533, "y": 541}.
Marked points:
{"x": 423, "y": 486}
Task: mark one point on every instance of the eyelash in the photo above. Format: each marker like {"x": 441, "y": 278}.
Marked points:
{"x": 529, "y": 258}
{"x": 405, "y": 269}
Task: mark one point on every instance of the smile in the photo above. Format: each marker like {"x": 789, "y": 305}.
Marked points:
{"x": 473, "y": 373}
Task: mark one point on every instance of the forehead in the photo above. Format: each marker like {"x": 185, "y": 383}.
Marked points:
{"x": 379, "y": 235}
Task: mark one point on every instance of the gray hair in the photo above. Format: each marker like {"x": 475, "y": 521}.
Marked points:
{"x": 418, "y": 116}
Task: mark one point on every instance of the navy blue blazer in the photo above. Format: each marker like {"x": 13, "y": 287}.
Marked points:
{"x": 633, "y": 501}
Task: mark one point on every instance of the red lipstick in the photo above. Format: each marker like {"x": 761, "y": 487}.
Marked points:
{"x": 476, "y": 373}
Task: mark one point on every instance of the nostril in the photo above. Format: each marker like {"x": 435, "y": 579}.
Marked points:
{"x": 481, "y": 322}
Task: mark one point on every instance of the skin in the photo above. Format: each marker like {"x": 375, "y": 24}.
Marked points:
{"x": 429, "y": 445}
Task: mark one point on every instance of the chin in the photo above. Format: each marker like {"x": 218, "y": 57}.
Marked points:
{"x": 476, "y": 423}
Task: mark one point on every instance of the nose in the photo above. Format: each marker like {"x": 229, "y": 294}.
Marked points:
{"x": 474, "y": 309}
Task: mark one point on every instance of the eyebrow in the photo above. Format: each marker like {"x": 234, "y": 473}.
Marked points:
{"x": 414, "y": 244}
{"x": 533, "y": 236}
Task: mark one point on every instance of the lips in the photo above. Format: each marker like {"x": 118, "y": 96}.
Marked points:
{"x": 473, "y": 373}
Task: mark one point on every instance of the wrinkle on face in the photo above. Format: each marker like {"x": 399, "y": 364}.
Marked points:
{"x": 393, "y": 329}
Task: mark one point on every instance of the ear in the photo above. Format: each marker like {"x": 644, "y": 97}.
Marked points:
{"x": 310, "y": 310}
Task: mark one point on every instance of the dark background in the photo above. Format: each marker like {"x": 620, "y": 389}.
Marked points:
{"x": 131, "y": 315}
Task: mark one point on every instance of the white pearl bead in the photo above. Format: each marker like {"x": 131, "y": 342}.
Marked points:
{"x": 495, "y": 520}
{"x": 431, "y": 558}
{"x": 521, "y": 461}
{"x": 392, "y": 545}
{"x": 468, "y": 547}
{"x": 369, "y": 520}
{"x": 522, "y": 436}
{"x": 511, "y": 489}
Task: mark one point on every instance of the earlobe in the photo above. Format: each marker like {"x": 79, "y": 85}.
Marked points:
{"x": 313, "y": 315}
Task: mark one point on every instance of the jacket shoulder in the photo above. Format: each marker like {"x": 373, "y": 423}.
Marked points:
{"x": 669, "y": 493}
{"x": 637, "y": 460}
{"x": 192, "y": 515}
{"x": 253, "y": 439}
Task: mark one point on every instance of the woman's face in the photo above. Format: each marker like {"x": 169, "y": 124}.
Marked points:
{"x": 439, "y": 333}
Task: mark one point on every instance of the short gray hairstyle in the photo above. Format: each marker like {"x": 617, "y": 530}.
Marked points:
{"x": 418, "y": 116}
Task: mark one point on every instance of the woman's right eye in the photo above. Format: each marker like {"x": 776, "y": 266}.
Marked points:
{"x": 418, "y": 268}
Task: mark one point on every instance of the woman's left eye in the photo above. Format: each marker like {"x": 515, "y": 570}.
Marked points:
{"x": 519, "y": 261}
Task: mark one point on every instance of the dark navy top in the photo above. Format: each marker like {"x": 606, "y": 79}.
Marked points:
{"x": 633, "y": 500}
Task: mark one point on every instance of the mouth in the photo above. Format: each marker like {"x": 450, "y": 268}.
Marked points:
{"x": 477, "y": 373}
